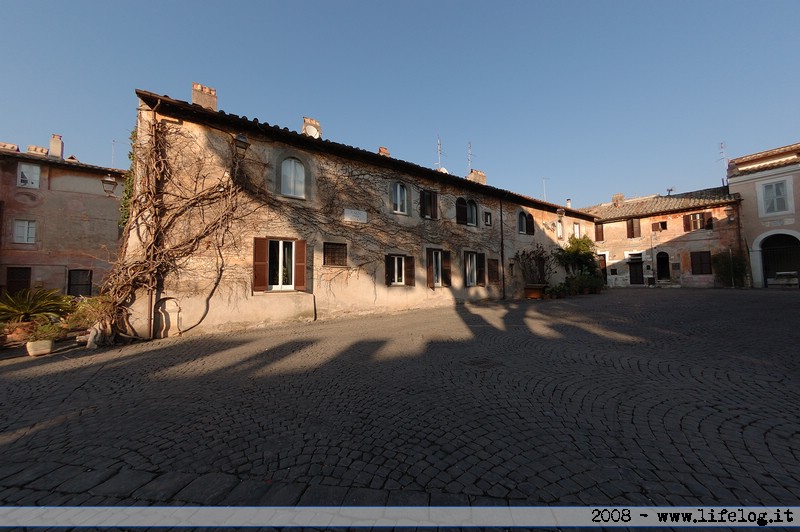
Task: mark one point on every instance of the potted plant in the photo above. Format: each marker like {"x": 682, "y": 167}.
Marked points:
{"x": 536, "y": 265}
{"x": 41, "y": 339}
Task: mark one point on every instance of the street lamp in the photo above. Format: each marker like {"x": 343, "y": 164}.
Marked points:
{"x": 729, "y": 210}
{"x": 109, "y": 184}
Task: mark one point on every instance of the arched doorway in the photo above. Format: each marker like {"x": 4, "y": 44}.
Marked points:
{"x": 662, "y": 266}
{"x": 779, "y": 254}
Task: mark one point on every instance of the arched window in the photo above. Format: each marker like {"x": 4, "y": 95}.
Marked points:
{"x": 525, "y": 223}
{"x": 399, "y": 198}
{"x": 472, "y": 213}
{"x": 293, "y": 178}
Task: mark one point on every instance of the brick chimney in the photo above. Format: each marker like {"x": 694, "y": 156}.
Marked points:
{"x": 37, "y": 150}
{"x": 383, "y": 151}
{"x": 569, "y": 203}
{"x": 56, "y": 147}
{"x": 204, "y": 96}
{"x": 617, "y": 199}
{"x": 476, "y": 176}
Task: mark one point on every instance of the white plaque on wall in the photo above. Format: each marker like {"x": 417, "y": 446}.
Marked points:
{"x": 352, "y": 215}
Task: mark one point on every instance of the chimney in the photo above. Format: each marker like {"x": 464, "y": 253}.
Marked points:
{"x": 37, "y": 150}
{"x": 56, "y": 147}
{"x": 311, "y": 128}
{"x": 617, "y": 199}
{"x": 383, "y": 151}
{"x": 476, "y": 176}
{"x": 204, "y": 96}
{"x": 569, "y": 203}
{"x": 8, "y": 146}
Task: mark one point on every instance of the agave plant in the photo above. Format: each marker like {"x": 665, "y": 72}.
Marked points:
{"x": 37, "y": 305}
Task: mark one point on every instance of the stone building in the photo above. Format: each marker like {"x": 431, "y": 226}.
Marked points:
{"x": 260, "y": 224}
{"x": 769, "y": 184}
{"x": 666, "y": 240}
{"x": 59, "y": 219}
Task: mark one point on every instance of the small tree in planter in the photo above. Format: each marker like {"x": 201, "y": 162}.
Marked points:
{"x": 579, "y": 261}
{"x": 41, "y": 339}
{"x": 536, "y": 265}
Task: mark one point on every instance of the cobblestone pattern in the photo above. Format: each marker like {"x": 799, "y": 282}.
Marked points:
{"x": 634, "y": 397}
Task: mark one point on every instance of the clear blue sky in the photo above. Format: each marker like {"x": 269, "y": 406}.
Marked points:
{"x": 597, "y": 97}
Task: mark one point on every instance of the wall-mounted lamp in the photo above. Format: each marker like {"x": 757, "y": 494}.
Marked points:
{"x": 109, "y": 185}
{"x": 560, "y": 212}
{"x": 729, "y": 212}
{"x": 241, "y": 144}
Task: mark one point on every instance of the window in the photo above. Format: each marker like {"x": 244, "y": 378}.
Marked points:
{"x": 17, "y": 278}
{"x": 774, "y": 197}
{"x": 525, "y": 223}
{"x": 634, "y": 228}
{"x": 472, "y": 213}
{"x": 24, "y": 231}
{"x": 474, "y": 269}
{"x": 438, "y": 267}
{"x": 399, "y": 198}
{"x": 701, "y": 262}
{"x": 698, "y": 220}
{"x": 659, "y": 226}
{"x": 293, "y": 178}
{"x": 399, "y": 270}
{"x": 80, "y": 283}
{"x": 429, "y": 204}
{"x": 334, "y": 254}
{"x": 576, "y": 229}
{"x": 28, "y": 175}
{"x": 560, "y": 229}
{"x": 598, "y": 233}
{"x": 487, "y": 218}
{"x": 279, "y": 264}
{"x": 493, "y": 270}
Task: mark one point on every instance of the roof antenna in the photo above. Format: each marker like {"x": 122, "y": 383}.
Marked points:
{"x": 724, "y": 159}
{"x": 669, "y": 190}
{"x": 439, "y": 154}
{"x": 469, "y": 157}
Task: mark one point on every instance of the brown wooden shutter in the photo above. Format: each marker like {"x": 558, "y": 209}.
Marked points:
{"x": 445, "y": 268}
{"x": 687, "y": 223}
{"x": 423, "y": 196}
{"x": 260, "y": 264}
{"x": 629, "y": 225}
{"x": 598, "y": 232}
{"x": 656, "y": 227}
{"x": 429, "y": 266}
{"x": 708, "y": 220}
{"x": 410, "y": 272}
{"x": 529, "y": 228}
{"x": 461, "y": 211}
{"x": 300, "y": 265}
{"x": 481, "y": 270}
{"x": 493, "y": 270}
{"x": 637, "y": 228}
{"x": 434, "y": 205}
{"x": 389, "y": 262}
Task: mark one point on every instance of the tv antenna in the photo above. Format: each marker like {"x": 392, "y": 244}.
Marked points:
{"x": 544, "y": 186}
{"x": 669, "y": 190}
{"x": 439, "y": 154}
{"x": 469, "y": 157}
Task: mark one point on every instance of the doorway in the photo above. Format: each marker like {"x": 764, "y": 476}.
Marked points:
{"x": 662, "y": 266}
{"x": 779, "y": 253}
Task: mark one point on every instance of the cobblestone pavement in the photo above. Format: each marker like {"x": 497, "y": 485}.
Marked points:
{"x": 645, "y": 397}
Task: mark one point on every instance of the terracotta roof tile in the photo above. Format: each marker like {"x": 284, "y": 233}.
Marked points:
{"x": 657, "y": 204}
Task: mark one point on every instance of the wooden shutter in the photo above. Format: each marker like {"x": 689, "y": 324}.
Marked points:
{"x": 529, "y": 228}
{"x": 260, "y": 264}
{"x": 598, "y": 232}
{"x": 410, "y": 272}
{"x": 423, "y": 196}
{"x": 445, "y": 268}
{"x": 493, "y": 270}
{"x": 687, "y": 223}
{"x": 708, "y": 220}
{"x": 434, "y": 205}
{"x": 656, "y": 227}
{"x": 300, "y": 265}
{"x": 481, "y": 270}
{"x": 634, "y": 228}
{"x": 389, "y": 269}
{"x": 429, "y": 267}
{"x": 461, "y": 211}
{"x": 629, "y": 224}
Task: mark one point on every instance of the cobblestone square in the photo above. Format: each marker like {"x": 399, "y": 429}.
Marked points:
{"x": 632, "y": 397}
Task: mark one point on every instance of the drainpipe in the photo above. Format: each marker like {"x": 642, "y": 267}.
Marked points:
{"x": 150, "y": 302}
{"x": 502, "y": 251}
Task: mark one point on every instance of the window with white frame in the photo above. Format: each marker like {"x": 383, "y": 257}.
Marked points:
{"x": 774, "y": 198}
{"x": 399, "y": 198}
{"x": 559, "y": 229}
{"x": 293, "y": 178}
{"x": 28, "y": 175}
{"x": 279, "y": 264}
{"x": 474, "y": 269}
{"x": 576, "y": 229}
{"x": 399, "y": 270}
{"x": 25, "y": 231}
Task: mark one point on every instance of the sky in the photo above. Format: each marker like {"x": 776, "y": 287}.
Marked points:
{"x": 558, "y": 99}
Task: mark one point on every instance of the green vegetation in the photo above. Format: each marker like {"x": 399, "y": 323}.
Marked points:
{"x": 37, "y": 305}
{"x": 729, "y": 268}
